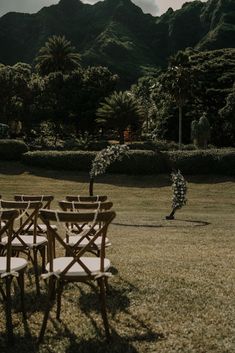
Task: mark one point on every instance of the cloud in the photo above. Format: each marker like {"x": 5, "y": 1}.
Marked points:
{"x": 148, "y": 6}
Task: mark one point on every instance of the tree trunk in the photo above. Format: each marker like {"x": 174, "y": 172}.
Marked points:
{"x": 121, "y": 137}
{"x": 91, "y": 186}
{"x": 180, "y": 127}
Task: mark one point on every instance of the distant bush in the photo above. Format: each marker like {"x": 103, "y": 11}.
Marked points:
{"x": 141, "y": 162}
{"x": 214, "y": 161}
{"x": 75, "y": 144}
{"x": 68, "y": 160}
{"x": 160, "y": 145}
{"x": 12, "y": 150}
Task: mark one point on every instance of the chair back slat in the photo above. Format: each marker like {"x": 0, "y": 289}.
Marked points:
{"x": 73, "y": 206}
{"x": 70, "y": 217}
{"x": 78, "y": 198}
{"x": 45, "y": 199}
{"x": 8, "y": 216}
{"x": 29, "y": 211}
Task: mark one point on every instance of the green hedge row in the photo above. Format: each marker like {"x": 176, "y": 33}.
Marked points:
{"x": 141, "y": 162}
{"x": 67, "y": 160}
{"x": 12, "y": 150}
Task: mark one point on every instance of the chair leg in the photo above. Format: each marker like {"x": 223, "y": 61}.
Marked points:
{"x": 35, "y": 265}
{"x": 20, "y": 280}
{"x": 106, "y": 285}
{"x": 59, "y": 294}
{"x": 43, "y": 255}
{"x": 9, "y": 325}
{"x": 103, "y": 307}
{"x": 2, "y": 293}
{"x": 51, "y": 298}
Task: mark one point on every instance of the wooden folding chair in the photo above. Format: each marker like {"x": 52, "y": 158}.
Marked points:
{"x": 46, "y": 201}
{"x": 75, "y": 267}
{"x": 24, "y": 241}
{"x": 78, "y": 198}
{"x": 10, "y": 267}
{"x": 73, "y": 237}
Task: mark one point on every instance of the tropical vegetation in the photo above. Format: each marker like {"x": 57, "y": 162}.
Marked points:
{"x": 114, "y": 29}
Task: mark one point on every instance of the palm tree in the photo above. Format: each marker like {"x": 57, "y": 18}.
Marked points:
{"x": 57, "y": 55}
{"x": 178, "y": 83}
{"x": 119, "y": 111}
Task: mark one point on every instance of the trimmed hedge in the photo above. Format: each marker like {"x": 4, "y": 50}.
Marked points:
{"x": 68, "y": 160}
{"x": 141, "y": 162}
{"x": 12, "y": 150}
{"x": 203, "y": 162}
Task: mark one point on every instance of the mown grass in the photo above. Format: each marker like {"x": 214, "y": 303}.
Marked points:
{"x": 174, "y": 281}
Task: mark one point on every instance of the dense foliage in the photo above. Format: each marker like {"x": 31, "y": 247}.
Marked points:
{"x": 214, "y": 75}
{"x": 114, "y": 29}
{"x": 61, "y": 102}
{"x": 120, "y": 111}
{"x": 57, "y": 55}
{"x": 12, "y": 150}
{"x": 70, "y": 99}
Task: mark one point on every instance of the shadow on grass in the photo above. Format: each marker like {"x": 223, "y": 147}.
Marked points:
{"x": 144, "y": 181}
{"x": 117, "y": 301}
{"x": 21, "y": 344}
{"x": 116, "y": 344}
{"x": 191, "y": 223}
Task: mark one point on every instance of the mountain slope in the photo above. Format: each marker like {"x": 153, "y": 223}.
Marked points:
{"x": 117, "y": 34}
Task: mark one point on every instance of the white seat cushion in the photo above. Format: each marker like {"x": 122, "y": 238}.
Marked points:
{"x": 17, "y": 264}
{"x": 74, "y": 239}
{"x": 86, "y": 226}
{"x": 27, "y": 239}
{"x": 92, "y": 263}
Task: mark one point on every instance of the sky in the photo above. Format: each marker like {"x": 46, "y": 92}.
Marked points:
{"x": 155, "y": 7}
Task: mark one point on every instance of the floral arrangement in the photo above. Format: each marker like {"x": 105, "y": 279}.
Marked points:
{"x": 106, "y": 157}
{"x": 179, "y": 190}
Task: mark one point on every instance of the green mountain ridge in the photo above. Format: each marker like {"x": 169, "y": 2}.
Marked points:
{"x": 117, "y": 34}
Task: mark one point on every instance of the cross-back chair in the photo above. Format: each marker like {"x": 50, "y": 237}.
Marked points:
{"x": 73, "y": 238}
{"x": 78, "y": 198}
{"x": 75, "y": 267}
{"x": 22, "y": 239}
{"x": 10, "y": 267}
{"x": 46, "y": 201}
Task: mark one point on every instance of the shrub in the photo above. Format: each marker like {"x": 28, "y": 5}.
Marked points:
{"x": 203, "y": 162}
{"x": 160, "y": 145}
{"x": 74, "y": 160}
{"x": 74, "y": 144}
{"x": 12, "y": 150}
{"x": 141, "y": 162}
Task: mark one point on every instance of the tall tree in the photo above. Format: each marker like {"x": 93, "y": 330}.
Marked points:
{"x": 119, "y": 111}
{"x": 57, "y": 55}
{"x": 227, "y": 113}
{"x": 178, "y": 83}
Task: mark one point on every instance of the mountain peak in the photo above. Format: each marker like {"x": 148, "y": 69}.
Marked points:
{"x": 70, "y": 3}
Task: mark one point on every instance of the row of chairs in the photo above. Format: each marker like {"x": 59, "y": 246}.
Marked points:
{"x": 79, "y": 227}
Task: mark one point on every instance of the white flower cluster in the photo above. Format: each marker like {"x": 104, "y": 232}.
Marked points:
{"x": 179, "y": 190}
{"x": 106, "y": 157}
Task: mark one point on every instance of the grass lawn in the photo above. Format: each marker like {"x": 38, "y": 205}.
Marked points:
{"x": 173, "y": 288}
